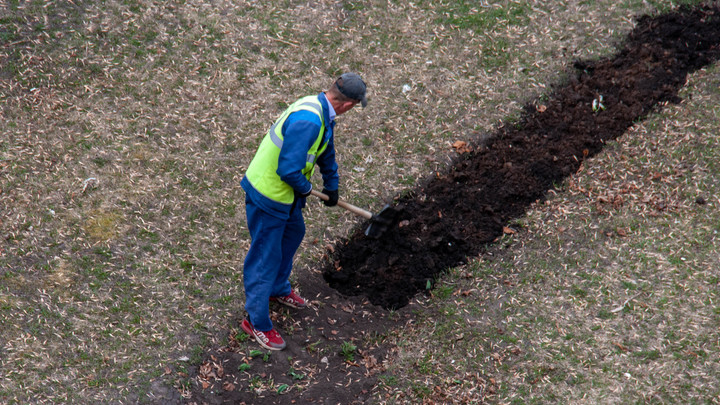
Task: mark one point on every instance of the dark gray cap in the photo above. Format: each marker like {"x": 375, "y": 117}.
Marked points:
{"x": 351, "y": 85}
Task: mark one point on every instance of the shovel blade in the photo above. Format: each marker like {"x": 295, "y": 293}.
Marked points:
{"x": 379, "y": 223}
{"x": 375, "y": 230}
{"x": 386, "y": 216}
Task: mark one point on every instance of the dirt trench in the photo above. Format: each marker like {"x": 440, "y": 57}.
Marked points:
{"x": 454, "y": 215}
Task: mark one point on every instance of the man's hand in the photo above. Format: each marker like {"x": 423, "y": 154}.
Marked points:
{"x": 333, "y": 200}
{"x": 303, "y": 195}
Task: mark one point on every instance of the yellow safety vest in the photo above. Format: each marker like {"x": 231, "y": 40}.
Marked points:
{"x": 262, "y": 172}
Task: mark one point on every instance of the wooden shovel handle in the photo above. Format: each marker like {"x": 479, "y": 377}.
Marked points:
{"x": 343, "y": 204}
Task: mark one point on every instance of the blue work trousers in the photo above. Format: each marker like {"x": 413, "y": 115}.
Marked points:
{"x": 269, "y": 260}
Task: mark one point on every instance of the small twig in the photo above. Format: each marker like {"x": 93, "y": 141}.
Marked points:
{"x": 90, "y": 181}
{"x": 284, "y": 41}
{"x": 621, "y": 307}
{"x": 15, "y": 43}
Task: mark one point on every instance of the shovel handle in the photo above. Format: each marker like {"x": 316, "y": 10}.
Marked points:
{"x": 355, "y": 210}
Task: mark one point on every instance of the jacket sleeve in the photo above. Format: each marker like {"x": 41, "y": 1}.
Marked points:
{"x": 328, "y": 166}
{"x": 299, "y": 132}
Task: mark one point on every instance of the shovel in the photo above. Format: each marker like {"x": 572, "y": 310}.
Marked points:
{"x": 378, "y": 223}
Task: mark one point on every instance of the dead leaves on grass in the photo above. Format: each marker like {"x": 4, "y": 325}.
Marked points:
{"x": 462, "y": 147}
{"x": 371, "y": 363}
{"x": 211, "y": 371}
{"x": 469, "y": 388}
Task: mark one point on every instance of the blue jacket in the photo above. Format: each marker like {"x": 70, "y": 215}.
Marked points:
{"x": 300, "y": 130}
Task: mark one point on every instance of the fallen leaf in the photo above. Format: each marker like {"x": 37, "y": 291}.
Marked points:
{"x": 205, "y": 370}
{"x": 619, "y": 346}
{"x": 228, "y": 386}
{"x": 508, "y": 230}
{"x": 370, "y": 363}
{"x": 462, "y": 147}
{"x": 220, "y": 370}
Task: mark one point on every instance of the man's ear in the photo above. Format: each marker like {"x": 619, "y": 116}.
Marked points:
{"x": 344, "y": 106}
{"x": 353, "y": 104}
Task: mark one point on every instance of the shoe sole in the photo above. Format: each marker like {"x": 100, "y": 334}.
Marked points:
{"x": 257, "y": 339}
{"x": 287, "y": 304}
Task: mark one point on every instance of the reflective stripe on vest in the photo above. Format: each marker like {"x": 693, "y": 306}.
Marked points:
{"x": 277, "y": 141}
{"x": 262, "y": 172}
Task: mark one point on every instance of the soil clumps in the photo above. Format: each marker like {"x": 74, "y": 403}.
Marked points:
{"x": 453, "y": 215}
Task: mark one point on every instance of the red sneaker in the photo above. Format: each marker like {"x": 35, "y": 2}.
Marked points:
{"x": 293, "y": 300}
{"x": 270, "y": 340}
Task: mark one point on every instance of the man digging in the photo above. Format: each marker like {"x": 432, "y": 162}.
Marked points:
{"x": 276, "y": 184}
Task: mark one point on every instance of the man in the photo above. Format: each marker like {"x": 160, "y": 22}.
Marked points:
{"x": 276, "y": 184}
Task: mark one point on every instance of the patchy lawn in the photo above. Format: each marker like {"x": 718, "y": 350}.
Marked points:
{"x": 126, "y": 127}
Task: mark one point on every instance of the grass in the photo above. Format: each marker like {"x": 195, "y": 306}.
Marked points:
{"x": 347, "y": 350}
{"x": 107, "y": 284}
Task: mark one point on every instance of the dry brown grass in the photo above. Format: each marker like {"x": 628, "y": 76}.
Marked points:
{"x": 126, "y": 127}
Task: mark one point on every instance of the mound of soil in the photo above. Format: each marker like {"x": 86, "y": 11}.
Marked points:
{"x": 454, "y": 215}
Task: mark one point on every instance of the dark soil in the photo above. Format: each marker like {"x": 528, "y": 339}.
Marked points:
{"x": 455, "y": 215}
